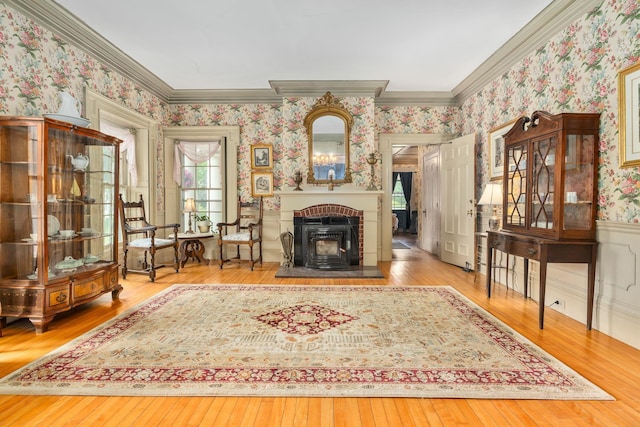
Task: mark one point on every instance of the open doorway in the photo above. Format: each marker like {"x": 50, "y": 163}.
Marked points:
{"x": 387, "y": 144}
{"x": 456, "y": 188}
{"x": 404, "y": 200}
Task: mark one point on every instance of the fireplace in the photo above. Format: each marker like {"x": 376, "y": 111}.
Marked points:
{"x": 345, "y": 200}
{"x": 328, "y": 242}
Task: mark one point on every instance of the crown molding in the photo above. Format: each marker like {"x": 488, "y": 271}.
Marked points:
{"x": 224, "y": 96}
{"x": 555, "y": 17}
{"x": 419, "y": 98}
{"x": 302, "y": 88}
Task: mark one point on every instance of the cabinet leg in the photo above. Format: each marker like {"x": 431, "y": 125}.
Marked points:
{"x": 115, "y": 293}
{"x": 526, "y": 278}
{"x": 543, "y": 286}
{"x": 489, "y": 263}
{"x": 41, "y": 323}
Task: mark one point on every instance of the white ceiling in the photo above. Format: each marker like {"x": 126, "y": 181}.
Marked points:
{"x": 417, "y": 45}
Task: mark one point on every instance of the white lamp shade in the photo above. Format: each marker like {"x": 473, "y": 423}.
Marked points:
{"x": 492, "y": 195}
{"x": 189, "y": 205}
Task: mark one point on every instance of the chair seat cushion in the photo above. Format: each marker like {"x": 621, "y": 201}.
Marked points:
{"x": 239, "y": 237}
{"x": 146, "y": 243}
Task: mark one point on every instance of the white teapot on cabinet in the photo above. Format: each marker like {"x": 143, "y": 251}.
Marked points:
{"x": 80, "y": 162}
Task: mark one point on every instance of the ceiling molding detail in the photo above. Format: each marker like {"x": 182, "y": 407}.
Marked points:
{"x": 542, "y": 28}
{"x": 224, "y": 96}
{"x": 558, "y": 15}
{"x": 423, "y": 98}
{"x": 295, "y": 88}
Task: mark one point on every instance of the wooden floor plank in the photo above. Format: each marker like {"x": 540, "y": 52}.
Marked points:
{"x": 416, "y": 411}
{"x": 153, "y": 414}
{"x": 314, "y": 412}
{"x": 228, "y": 412}
{"x": 276, "y": 414}
{"x": 289, "y": 411}
{"x": 326, "y": 412}
{"x": 263, "y": 412}
{"x": 379, "y": 414}
{"x": 365, "y": 412}
{"x": 513, "y": 413}
{"x": 303, "y": 409}
{"x": 211, "y": 414}
{"x": 195, "y": 411}
{"x": 608, "y": 363}
{"x": 245, "y": 410}
{"x": 22, "y": 413}
{"x": 401, "y": 408}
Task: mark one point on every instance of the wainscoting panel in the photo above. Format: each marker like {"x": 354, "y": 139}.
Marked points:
{"x": 617, "y": 298}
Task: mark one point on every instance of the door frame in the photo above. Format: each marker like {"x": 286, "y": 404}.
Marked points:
{"x": 435, "y": 220}
{"x": 385, "y": 142}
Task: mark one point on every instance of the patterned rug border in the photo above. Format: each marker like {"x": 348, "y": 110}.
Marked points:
{"x": 503, "y": 334}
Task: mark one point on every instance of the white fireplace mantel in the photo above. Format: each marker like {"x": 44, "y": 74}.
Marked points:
{"x": 352, "y": 197}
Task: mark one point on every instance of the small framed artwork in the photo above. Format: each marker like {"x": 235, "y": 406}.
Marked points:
{"x": 262, "y": 184}
{"x": 261, "y": 156}
{"x": 629, "y": 116}
{"x": 496, "y": 149}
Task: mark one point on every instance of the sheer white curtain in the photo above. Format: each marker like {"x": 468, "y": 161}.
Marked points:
{"x": 196, "y": 151}
{"x": 128, "y": 144}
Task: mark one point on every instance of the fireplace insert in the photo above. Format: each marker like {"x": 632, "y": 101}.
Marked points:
{"x": 328, "y": 242}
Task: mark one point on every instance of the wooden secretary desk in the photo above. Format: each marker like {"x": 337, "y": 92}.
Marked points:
{"x": 550, "y": 194}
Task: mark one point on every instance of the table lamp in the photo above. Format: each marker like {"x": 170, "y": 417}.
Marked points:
{"x": 190, "y": 208}
{"x": 492, "y": 196}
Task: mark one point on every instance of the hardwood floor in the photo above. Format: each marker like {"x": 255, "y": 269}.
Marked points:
{"x": 607, "y": 362}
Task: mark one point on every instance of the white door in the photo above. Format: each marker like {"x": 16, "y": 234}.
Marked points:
{"x": 431, "y": 202}
{"x": 457, "y": 194}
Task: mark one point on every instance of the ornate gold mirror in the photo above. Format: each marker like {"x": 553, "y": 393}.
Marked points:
{"x": 328, "y": 127}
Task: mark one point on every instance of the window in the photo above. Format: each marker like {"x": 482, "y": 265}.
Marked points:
{"x": 227, "y": 160}
{"x": 204, "y": 182}
{"x": 398, "y": 200}
{"x": 126, "y": 157}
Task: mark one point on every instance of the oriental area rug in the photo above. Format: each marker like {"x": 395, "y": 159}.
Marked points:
{"x": 328, "y": 341}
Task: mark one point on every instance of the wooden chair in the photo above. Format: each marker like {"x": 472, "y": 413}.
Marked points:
{"x": 138, "y": 234}
{"x": 245, "y": 230}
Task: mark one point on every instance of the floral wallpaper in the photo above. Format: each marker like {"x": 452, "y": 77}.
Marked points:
{"x": 36, "y": 65}
{"x": 282, "y": 126}
{"x": 259, "y": 124}
{"x": 417, "y": 120}
{"x": 576, "y": 71}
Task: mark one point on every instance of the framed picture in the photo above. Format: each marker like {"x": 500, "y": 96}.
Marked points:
{"x": 261, "y": 184}
{"x": 629, "y": 117}
{"x": 261, "y": 156}
{"x": 496, "y": 150}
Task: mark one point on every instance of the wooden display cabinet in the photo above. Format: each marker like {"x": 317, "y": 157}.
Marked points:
{"x": 55, "y": 176}
{"x": 550, "y": 195}
{"x": 550, "y": 175}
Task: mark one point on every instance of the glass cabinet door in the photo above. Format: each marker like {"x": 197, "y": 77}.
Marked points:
{"x": 516, "y": 189}
{"x": 579, "y": 173}
{"x": 542, "y": 182}
{"x": 21, "y": 231}
{"x": 80, "y": 202}
{"x": 551, "y": 175}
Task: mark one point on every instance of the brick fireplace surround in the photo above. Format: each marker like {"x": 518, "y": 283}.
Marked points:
{"x": 335, "y": 210}
{"x": 343, "y": 201}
